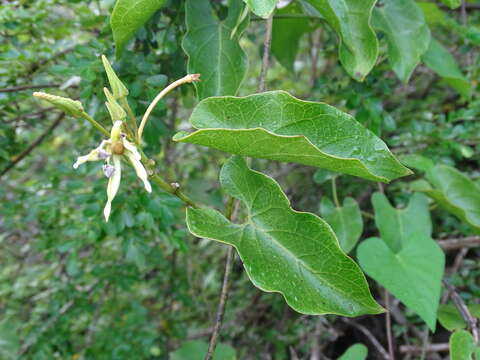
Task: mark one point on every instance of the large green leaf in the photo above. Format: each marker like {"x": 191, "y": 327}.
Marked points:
{"x": 454, "y": 191}
{"x": 285, "y": 251}
{"x": 442, "y": 62}
{"x": 452, "y": 4}
{"x": 355, "y": 352}
{"x": 346, "y": 221}
{"x": 407, "y": 33}
{"x": 462, "y": 345}
{"x": 406, "y": 274}
{"x": 275, "y": 125}
{"x": 358, "y": 48}
{"x": 262, "y": 8}
{"x": 397, "y": 226}
{"x": 288, "y": 31}
{"x": 213, "y": 49}
{"x": 128, "y": 16}
{"x": 451, "y": 319}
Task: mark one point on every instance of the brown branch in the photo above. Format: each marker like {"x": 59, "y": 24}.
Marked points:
{"x": 388, "y": 324}
{"x": 463, "y": 309}
{"x": 27, "y": 87}
{"x": 370, "y": 337}
{"x": 430, "y": 348}
{"x": 266, "y": 54}
{"x": 459, "y": 243}
{"x": 33, "y": 145}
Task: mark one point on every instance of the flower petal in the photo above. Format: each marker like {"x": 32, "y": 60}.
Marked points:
{"x": 140, "y": 170}
{"x": 94, "y": 155}
{"x": 116, "y": 131}
{"x": 113, "y": 185}
{"x": 132, "y": 148}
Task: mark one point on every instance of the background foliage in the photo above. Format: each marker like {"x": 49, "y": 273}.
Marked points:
{"x": 73, "y": 286}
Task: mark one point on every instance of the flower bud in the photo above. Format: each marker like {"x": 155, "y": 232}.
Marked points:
{"x": 67, "y": 105}
{"x": 119, "y": 90}
{"x": 114, "y": 108}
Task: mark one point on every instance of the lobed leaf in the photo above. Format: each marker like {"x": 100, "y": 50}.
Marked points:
{"x": 213, "y": 48}
{"x": 262, "y": 8}
{"x": 276, "y": 126}
{"x": 285, "y": 251}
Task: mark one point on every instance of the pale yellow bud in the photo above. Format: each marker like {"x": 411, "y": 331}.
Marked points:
{"x": 67, "y": 105}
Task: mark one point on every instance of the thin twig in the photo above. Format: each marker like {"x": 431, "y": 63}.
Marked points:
{"x": 388, "y": 324}
{"x": 370, "y": 337}
{"x": 463, "y": 309}
{"x": 266, "y": 54}
{"x": 33, "y": 145}
{"x": 459, "y": 243}
{"x": 27, "y": 87}
{"x": 418, "y": 349}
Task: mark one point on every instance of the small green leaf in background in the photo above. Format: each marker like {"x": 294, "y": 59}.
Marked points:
{"x": 461, "y": 345}
{"x": 288, "y": 31}
{"x": 358, "y": 48}
{"x": 407, "y": 33}
{"x": 293, "y": 253}
{"x": 355, "y": 352}
{"x": 346, "y": 221}
{"x": 128, "y": 16}
{"x": 417, "y": 162}
{"x": 275, "y": 125}
{"x": 212, "y": 50}
{"x": 9, "y": 340}
{"x": 262, "y": 8}
{"x": 442, "y": 62}
{"x": 196, "y": 350}
{"x": 396, "y": 226}
{"x": 452, "y": 4}
{"x": 432, "y": 13}
{"x": 397, "y": 260}
{"x": 453, "y": 191}
{"x": 451, "y": 319}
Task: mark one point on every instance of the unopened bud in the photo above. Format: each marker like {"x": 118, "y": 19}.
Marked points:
{"x": 67, "y": 105}
{"x": 114, "y": 108}
{"x": 119, "y": 90}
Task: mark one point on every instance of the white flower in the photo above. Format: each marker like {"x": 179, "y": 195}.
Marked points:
{"x": 112, "y": 150}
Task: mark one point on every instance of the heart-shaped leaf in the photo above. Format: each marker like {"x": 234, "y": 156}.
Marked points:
{"x": 407, "y": 33}
{"x": 262, "y": 8}
{"x": 442, "y": 62}
{"x": 406, "y": 274}
{"x": 355, "y": 352}
{"x": 213, "y": 49}
{"x": 398, "y": 226}
{"x": 275, "y": 125}
{"x": 358, "y": 48}
{"x": 128, "y": 16}
{"x": 451, "y": 319}
{"x": 346, "y": 221}
{"x": 462, "y": 345}
{"x": 454, "y": 191}
{"x": 285, "y": 251}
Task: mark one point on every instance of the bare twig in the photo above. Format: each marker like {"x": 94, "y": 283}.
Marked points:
{"x": 388, "y": 324}
{"x": 454, "y": 244}
{"x": 266, "y": 54}
{"x": 27, "y": 87}
{"x": 33, "y": 145}
{"x": 418, "y": 349}
{"x": 370, "y": 337}
{"x": 463, "y": 309}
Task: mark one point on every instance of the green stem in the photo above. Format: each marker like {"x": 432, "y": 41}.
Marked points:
{"x": 173, "y": 190}
{"x": 334, "y": 192}
{"x": 95, "y": 124}
{"x": 131, "y": 115}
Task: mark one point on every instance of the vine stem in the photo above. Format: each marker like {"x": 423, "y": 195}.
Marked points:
{"x": 131, "y": 115}
{"x": 95, "y": 124}
{"x": 334, "y": 192}
{"x": 185, "y": 80}
{"x": 388, "y": 324}
{"x": 266, "y": 54}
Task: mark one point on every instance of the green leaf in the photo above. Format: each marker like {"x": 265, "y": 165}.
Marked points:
{"x": 452, "y": 4}
{"x": 407, "y": 33}
{"x": 358, "y": 48}
{"x": 262, "y": 8}
{"x": 451, "y": 319}
{"x": 398, "y": 226}
{"x": 406, "y": 274}
{"x": 128, "y": 16}
{"x": 196, "y": 350}
{"x": 432, "y": 13}
{"x": 355, "y": 352}
{"x": 293, "y": 253}
{"x": 286, "y": 34}
{"x": 417, "y": 162}
{"x": 275, "y": 125}
{"x": 442, "y": 62}
{"x": 212, "y": 50}
{"x": 454, "y": 191}
{"x": 346, "y": 221}
{"x": 462, "y": 345}
{"x": 9, "y": 340}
